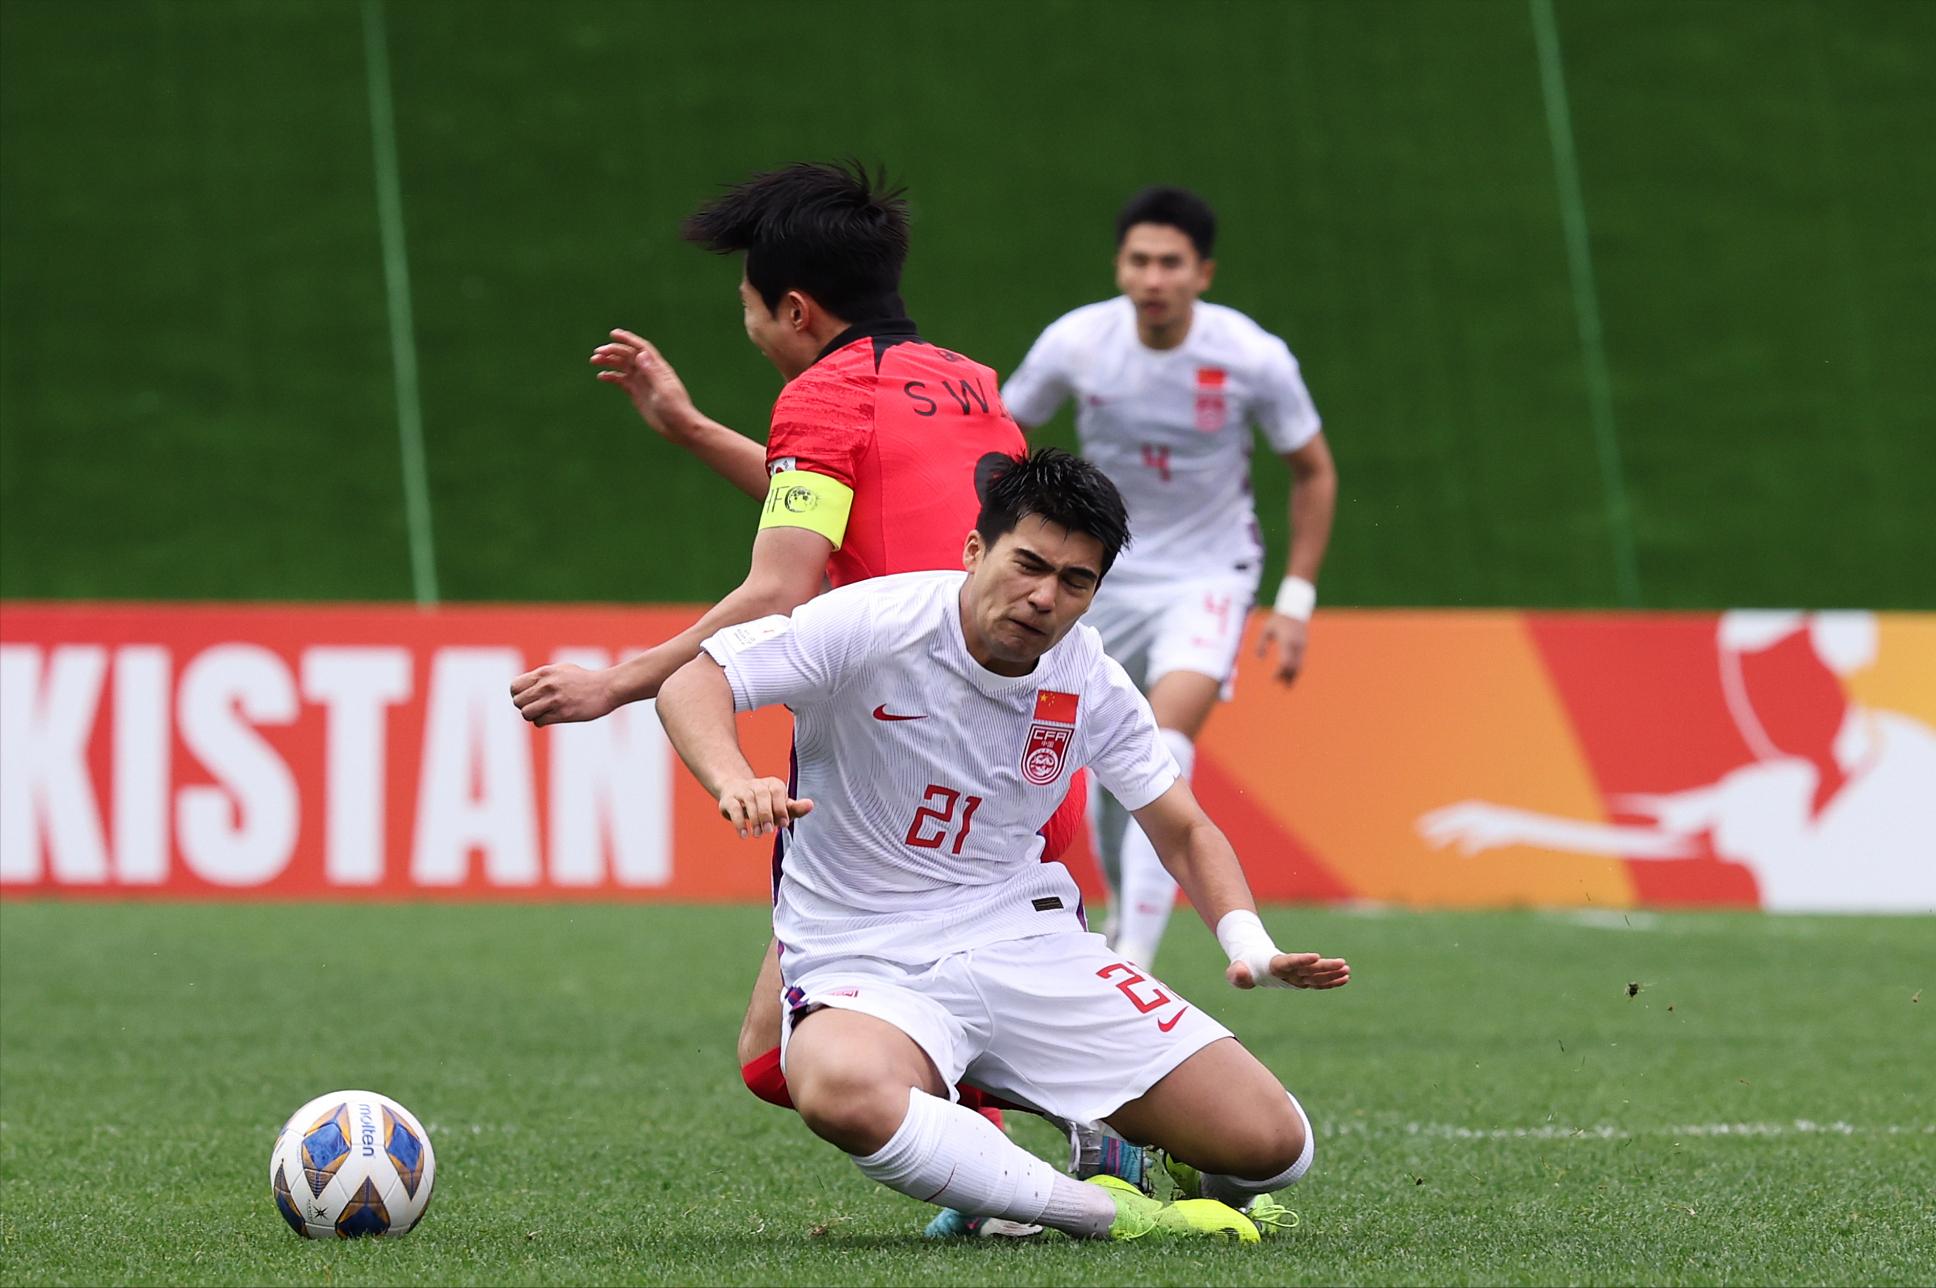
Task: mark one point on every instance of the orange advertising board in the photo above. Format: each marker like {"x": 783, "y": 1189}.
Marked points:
{"x": 1779, "y": 760}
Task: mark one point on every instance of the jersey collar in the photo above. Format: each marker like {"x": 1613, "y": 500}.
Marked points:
{"x": 886, "y": 332}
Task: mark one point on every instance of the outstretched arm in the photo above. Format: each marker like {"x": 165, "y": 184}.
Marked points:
{"x": 788, "y": 567}
{"x": 1475, "y": 826}
{"x": 1313, "y": 503}
{"x": 696, "y": 707}
{"x": 634, "y": 365}
{"x": 1199, "y": 856}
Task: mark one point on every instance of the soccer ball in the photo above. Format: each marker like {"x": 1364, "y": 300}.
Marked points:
{"x": 351, "y": 1163}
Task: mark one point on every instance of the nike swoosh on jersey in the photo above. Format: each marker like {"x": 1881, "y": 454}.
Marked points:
{"x": 881, "y": 713}
{"x": 1166, "y": 1027}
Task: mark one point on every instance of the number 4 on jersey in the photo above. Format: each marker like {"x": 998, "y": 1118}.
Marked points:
{"x": 1156, "y": 457}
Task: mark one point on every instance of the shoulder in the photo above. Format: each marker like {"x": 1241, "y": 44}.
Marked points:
{"x": 844, "y": 375}
{"x": 1090, "y": 321}
{"x": 831, "y": 401}
{"x": 894, "y": 593}
{"x": 1081, "y": 661}
{"x": 1242, "y": 338}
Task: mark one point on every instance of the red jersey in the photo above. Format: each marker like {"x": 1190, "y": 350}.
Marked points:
{"x": 874, "y": 447}
{"x": 896, "y": 425}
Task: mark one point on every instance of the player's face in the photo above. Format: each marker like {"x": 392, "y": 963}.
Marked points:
{"x": 1159, "y": 269}
{"x": 778, "y": 333}
{"x": 1026, "y": 591}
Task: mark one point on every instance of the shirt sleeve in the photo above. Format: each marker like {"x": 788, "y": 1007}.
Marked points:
{"x": 1284, "y": 410}
{"x": 1043, "y": 382}
{"x": 821, "y": 426}
{"x": 796, "y": 660}
{"x": 1125, "y": 751}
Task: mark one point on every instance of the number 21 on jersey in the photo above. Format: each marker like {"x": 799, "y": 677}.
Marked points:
{"x": 935, "y": 822}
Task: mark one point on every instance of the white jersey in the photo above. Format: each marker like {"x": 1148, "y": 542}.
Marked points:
{"x": 1171, "y": 427}
{"x": 931, "y": 776}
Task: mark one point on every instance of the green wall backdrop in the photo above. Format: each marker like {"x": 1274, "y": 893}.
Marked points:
{"x": 196, "y": 389}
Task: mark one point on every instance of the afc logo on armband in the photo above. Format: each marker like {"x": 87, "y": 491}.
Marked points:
{"x": 1054, "y": 728}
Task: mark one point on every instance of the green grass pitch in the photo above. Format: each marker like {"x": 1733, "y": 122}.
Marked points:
{"x": 1495, "y": 1102}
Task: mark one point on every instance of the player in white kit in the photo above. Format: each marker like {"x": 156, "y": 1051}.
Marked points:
{"x": 937, "y": 718}
{"x": 1168, "y": 388}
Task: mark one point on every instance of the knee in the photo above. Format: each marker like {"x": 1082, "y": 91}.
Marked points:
{"x": 848, "y": 1105}
{"x": 1275, "y": 1145}
{"x": 755, "y": 1038}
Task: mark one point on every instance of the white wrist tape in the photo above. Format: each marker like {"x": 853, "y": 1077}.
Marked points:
{"x": 1297, "y": 598}
{"x": 1245, "y": 940}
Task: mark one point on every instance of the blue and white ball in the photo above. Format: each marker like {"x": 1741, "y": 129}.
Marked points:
{"x": 352, "y": 1163}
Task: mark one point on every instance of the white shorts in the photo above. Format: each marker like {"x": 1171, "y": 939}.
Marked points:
{"x": 1055, "y": 1022}
{"x": 1156, "y": 628}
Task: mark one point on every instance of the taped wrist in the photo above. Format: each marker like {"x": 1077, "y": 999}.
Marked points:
{"x": 1245, "y": 940}
{"x": 1297, "y": 598}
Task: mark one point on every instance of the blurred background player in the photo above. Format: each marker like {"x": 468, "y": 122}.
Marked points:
{"x": 868, "y": 469}
{"x": 1167, "y": 389}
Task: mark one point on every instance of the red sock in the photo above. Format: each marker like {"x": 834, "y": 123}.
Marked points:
{"x": 981, "y": 1102}
{"x": 763, "y": 1078}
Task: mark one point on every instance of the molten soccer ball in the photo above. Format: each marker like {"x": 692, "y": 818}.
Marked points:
{"x": 351, "y": 1163}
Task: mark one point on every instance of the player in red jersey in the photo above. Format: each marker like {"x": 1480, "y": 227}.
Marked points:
{"x": 868, "y": 468}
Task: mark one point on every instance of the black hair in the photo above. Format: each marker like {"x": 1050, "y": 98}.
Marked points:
{"x": 833, "y": 232}
{"x": 1052, "y": 485}
{"x": 1177, "y": 208}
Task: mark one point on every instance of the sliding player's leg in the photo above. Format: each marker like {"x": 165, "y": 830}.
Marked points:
{"x": 1229, "y": 1129}
{"x": 759, "y": 1046}
{"x": 862, "y": 1082}
{"x": 1179, "y": 1080}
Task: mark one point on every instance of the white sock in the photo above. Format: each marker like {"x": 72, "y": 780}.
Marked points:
{"x": 1149, "y": 891}
{"x": 1236, "y": 1191}
{"x": 956, "y": 1158}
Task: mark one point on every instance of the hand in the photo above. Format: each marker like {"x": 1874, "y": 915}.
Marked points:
{"x": 632, "y": 363}
{"x": 1474, "y": 826}
{"x": 563, "y": 694}
{"x": 1285, "y": 638}
{"x": 1294, "y": 970}
{"x": 757, "y": 806}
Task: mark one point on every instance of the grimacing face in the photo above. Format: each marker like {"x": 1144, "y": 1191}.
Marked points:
{"x": 1158, "y": 268}
{"x": 1026, "y": 592}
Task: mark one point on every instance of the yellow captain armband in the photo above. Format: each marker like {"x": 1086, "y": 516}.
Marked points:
{"x": 815, "y": 502}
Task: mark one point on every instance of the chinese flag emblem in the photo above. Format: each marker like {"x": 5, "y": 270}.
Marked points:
{"x": 1054, "y": 727}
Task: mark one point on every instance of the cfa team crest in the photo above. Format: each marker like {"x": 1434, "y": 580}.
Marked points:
{"x": 1054, "y": 727}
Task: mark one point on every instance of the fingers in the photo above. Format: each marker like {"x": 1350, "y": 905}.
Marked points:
{"x": 1308, "y": 970}
{"x": 760, "y": 807}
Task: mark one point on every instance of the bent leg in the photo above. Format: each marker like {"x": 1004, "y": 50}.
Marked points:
{"x": 866, "y": 1086}
{"x": 759, "y": 1035}
{"x": 1222, "y": 1112}
{"x": 759, "y": 1032}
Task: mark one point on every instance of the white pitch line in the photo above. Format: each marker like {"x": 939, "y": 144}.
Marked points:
{"x": 1607, "y": 1131}
{"x": 396, "y": 280}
